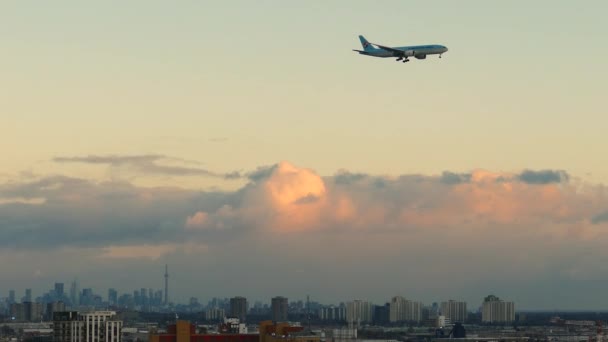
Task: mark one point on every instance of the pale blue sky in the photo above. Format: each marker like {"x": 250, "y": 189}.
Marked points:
{"x": 522, "y": 84}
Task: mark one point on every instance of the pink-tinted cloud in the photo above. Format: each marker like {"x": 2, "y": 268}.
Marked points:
{"x": 540, "y": 225}
{"x": 198, "y": 220}
{"x": 294, "y": 199}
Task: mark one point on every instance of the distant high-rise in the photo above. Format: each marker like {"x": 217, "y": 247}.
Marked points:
{"x": 74, "y": 297}
{"x": 86, "y": 298}
{"x": 166, "y": 284}
{"x": 11, "y": 296}
{"x": 403, "y": 310}
{"x": 143, "y": 293}
{"x": 454, "y": 310}
{"x": 158, "y": 297}
{"x": 112, "y": 296}
{"x": 239, "y": 308}
{"x": 359, "y": 311}
{"x": 279, "y": 309}
{"x": 28, "y": 295}
{"x": 495, "y": 310}
{"x": 59, "y": 290}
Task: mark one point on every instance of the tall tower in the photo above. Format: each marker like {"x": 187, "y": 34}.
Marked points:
{"x": 166, "y": 284}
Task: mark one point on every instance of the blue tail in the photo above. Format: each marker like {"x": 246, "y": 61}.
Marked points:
{"x": 366, "y": 45}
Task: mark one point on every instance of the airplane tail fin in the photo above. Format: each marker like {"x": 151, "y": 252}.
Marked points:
{"x": 366, "y": 45}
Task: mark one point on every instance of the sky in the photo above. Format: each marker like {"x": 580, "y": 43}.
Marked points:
{"x": 245, "y": 144}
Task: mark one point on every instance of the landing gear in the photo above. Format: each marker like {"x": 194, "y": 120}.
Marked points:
{"x": 398, "y": 59}
{"x": 439, "y": 55}
{"x": 405, "y": 60}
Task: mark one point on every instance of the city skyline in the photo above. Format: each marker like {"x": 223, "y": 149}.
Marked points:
{"x": 246, "y": 146}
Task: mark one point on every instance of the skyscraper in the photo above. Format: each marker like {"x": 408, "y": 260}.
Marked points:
{"x": 112, "y": 296}
{"x": 74, "y": 294}
{"x": 143, "y": 297}
{"x": 279, "y": 309}
{"x": 28, "y": 295}
{"x": 11, "y": 296}
{"x": 239, "y": 308}
{"x": 59, "y": 290}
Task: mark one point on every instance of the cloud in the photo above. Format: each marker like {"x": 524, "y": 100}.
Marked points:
{"x": 198, "y": 220}
{"x": 448, "y": 177}
{"x": 346, "y": 177}
{"x": 148, "y": 163}
{"x": 543, "y": 176}
{"x": 146, "y": 251}
{"x": 261, "y": 173}
{"x": 603, "y": 217}
{"x": 290, "y": 217}
{"x": 286, "y": 198}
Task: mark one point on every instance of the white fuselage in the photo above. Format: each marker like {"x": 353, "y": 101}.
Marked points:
{"x": 410, "y": 51}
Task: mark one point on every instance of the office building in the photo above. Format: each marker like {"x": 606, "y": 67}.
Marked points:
{"x": 495, "y": 310}
{"x": 279, "y": 309}
{"x": 96, "y": 326}
{"x": 455, "y": 311}
{"x": 239, "y": 308}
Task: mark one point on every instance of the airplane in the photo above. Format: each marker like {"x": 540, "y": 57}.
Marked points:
{"x": 402, "y": 53}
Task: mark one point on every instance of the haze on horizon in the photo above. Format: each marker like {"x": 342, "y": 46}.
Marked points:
{"x": 246, "y": 145}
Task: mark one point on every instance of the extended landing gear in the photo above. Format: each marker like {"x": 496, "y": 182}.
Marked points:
{"x": 398, "y": 59}
{"x": 405, "y": 60}
{"x": 439, "y": 55}
{"x": 402, "y": 58}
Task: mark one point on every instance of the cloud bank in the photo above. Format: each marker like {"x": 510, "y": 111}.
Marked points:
{"x": 148, "y": 164}
{"x": 534, "y": 225}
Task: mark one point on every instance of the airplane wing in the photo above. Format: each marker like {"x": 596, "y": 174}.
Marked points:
{"x": 396, "y": 52}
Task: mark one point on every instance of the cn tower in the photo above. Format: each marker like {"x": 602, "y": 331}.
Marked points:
{"x": 166, "y": 284}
